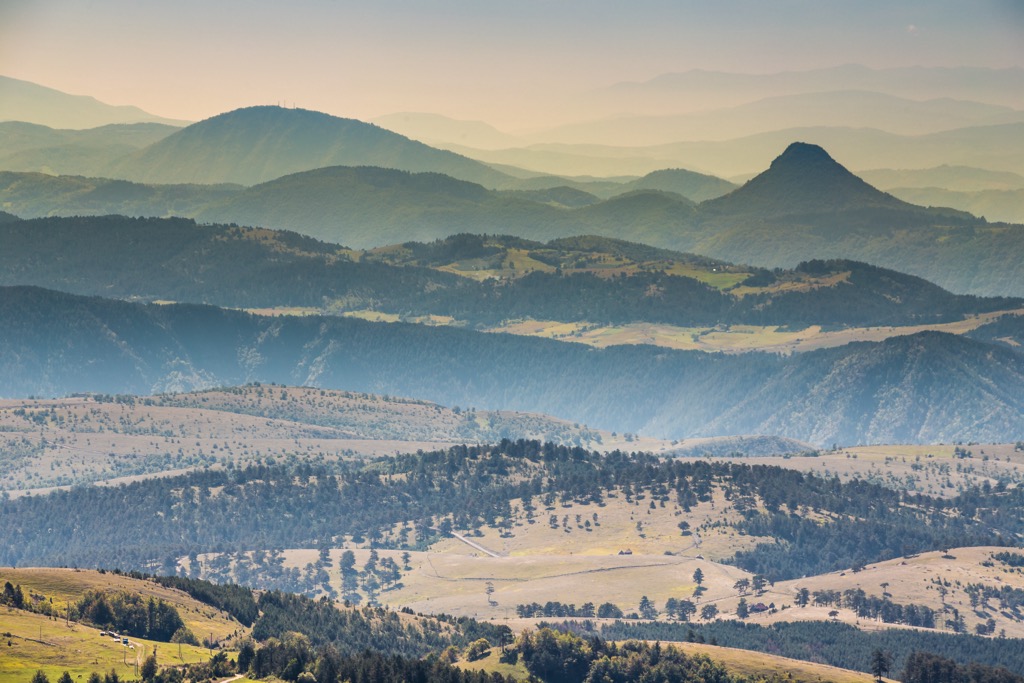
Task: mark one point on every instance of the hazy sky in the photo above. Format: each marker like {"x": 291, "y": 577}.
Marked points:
{"x": 508, "y": 62}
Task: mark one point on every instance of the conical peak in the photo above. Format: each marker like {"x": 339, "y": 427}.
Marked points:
{"x": 804, "y": 153}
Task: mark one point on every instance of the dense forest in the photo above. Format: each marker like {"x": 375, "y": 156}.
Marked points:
{"x": 922, "y": 387}
{"x": 309, "y": 504}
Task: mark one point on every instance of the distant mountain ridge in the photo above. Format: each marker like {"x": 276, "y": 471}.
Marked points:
{"x": 834, "y": 108}
{"x": 25, "y": 101}
{"x": 806, "y": 206}
{"x": 922, "y": 388}
{"x": 29, "y": 147}
{"x": 718, "y": 88}
{"x": 258, "y": 144}
{"x": 993, "y": 147}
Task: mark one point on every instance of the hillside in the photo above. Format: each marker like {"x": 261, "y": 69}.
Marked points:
{"x": 33, "y": 195}
{"x": 271, "y": 633}
{"x": 804, "y": 180}
{"x": 31, "y": 147}
{"x": 85, "y": 439}
{"x": 994, "y": 205}
{"x": 924, "y": 387}
{"x": 366, "y": 207}
{"x": 467, "y": 280}
{"x": 534, "y": 519}
{"x": 55, "y": 630}
{"x": 806, "y": 203}
{"x": 696, "y": 187}
{"x": 257, "y": 144}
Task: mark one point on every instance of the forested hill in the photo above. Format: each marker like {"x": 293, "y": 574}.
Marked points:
{"x": 581, "y": 279}
{"x": 464, "y": 488}
{"x": 924, "y": 387}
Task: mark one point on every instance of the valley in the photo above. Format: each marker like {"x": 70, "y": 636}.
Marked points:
{"x": 455, "y": 358}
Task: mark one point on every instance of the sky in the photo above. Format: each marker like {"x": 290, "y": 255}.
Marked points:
{"x": 513, "y": 63}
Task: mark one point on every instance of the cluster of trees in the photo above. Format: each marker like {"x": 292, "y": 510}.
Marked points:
{"x": 131, "y": 614}
{"x": 926, "y": 667}
{"x": 354, "y": 630}
{"x": 1009, "y": 558}
{"x": 235, "y": 600}
{"x": 1010, "y": 599}
{"x": 292, "y": 658}
{"x": 377, "y": 574}
{"x": 12, "y": 596}
{"x": 869, "y": 606}
{"x": 557, "y": 609}
{"x": 562, "y": 657}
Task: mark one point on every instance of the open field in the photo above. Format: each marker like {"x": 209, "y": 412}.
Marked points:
{"x": 747, "y": 663}
{"x": 934, "y": 469}
{"x": 492, "y": 664}
{"x": 538, "y": 562}
{"x": 936, "y": 579}
{"x": 731, "y": 338}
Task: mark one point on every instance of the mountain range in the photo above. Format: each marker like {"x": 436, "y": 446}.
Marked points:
{"x": 804, "y": 206}
{"x": 921, "y": 388}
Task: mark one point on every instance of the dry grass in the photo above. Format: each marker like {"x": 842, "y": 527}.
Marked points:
{"x": 538, "y": 563}
{"x": 930, "y": 469}
{"x": 731, "y": 338}
{"x": 747, "y": 663}
{"x": 934, "y": 579}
